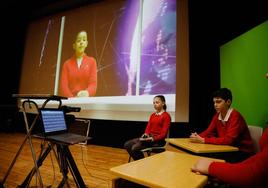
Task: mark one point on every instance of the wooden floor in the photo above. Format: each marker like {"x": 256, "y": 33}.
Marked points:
{"x": 92, "y": 161}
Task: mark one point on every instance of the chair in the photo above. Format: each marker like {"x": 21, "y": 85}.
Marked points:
{"x": 255, "y": 133}
{"x": 80, "y": 126}
{"x": 153, "y": 149}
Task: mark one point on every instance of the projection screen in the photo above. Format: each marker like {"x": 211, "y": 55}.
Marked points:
{"x": 140, "y": 48}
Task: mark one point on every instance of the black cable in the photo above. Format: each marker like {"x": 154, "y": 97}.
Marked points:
{"x": 105, "y": 180}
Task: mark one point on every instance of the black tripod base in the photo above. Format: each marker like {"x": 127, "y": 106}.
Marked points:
{"x": 66, "y": 163}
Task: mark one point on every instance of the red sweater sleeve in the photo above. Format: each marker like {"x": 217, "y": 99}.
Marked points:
{"x": 65, "y": 90}
{"x": 252, "y": 172}
{"x": 92, "y": 82}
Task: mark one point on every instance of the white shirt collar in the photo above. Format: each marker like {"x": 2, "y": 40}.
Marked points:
{"x": 227, "y": 115}
{"x": 79, "y": 61}
{"x": 159, "y": 113}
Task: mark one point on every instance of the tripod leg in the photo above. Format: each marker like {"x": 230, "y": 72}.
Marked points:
{"x": 39, "y": 162}
{"x": 35, "y": 161}
{"x": 29, "y": 130}
{"x": 62, "y": 164}
{"x": 14, "y": 160}
{"x": 73, "y": 168}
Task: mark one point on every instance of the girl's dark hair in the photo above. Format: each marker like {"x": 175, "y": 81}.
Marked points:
{"x": 223, "y": 93}
{"x": 162, "y": 98}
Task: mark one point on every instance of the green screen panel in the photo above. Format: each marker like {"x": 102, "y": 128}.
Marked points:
{"x": 244, "y": 63}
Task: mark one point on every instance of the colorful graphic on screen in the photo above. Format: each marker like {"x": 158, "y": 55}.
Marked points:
{"x": 148, "y": 47}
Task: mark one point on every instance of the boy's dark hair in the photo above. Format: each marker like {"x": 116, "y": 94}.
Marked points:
{"x": 162, "y": 98}
{"x": 223, "y": 93}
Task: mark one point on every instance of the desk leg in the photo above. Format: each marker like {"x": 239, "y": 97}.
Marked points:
{"x": 115, "y": 182}
{"x": 122, "y": 183}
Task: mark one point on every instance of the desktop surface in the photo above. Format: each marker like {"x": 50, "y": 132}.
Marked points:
{"x": 166, "y": 169}
{"x": 186, "y": 144}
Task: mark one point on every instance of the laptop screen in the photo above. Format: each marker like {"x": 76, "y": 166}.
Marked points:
{"x": 53, "y": 120}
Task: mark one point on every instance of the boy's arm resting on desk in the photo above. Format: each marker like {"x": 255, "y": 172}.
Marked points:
{"x": 202, "y": 165}
{"x": 252, "y": 172}
{"x": 194, "y": 137}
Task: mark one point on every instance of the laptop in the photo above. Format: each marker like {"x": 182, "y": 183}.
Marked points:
{"x": 55, "y": 127}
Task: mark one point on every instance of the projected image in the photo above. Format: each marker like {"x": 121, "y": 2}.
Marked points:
{"x": 109, "y": 58}
{"x": 40, "y": 57}
{"x": 148, "y": 47}
{"x": 133, "y": 46}
{"x": 79, "y": 72}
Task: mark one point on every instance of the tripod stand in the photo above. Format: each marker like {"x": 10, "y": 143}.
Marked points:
{"x": 29, "y": 102}
{"x": 66, "y": 162}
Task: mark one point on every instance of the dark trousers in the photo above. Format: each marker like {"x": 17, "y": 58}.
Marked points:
{"x": 134, "y": 147}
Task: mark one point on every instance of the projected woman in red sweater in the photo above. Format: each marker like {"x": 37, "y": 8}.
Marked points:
{"x": 79, "y": 73}
{"x": 156, "y": 130}
{"x": 227, "y": 127}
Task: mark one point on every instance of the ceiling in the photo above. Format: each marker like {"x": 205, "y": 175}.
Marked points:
{"x": 223, "y": 19}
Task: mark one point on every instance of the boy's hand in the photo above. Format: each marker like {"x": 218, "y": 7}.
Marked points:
{"x": 194, "y": 137}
